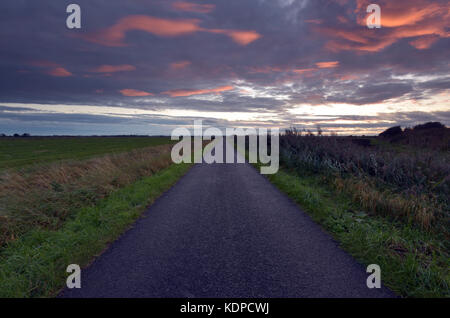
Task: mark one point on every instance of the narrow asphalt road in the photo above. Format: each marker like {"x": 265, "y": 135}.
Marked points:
{"x": 224, "y": 231}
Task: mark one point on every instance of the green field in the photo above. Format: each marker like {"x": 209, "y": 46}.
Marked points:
{"x": 19, "y": 152}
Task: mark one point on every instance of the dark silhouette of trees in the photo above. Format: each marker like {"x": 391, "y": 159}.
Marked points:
{"x": 430, "y": 125}
{"x": 392, "y": 132}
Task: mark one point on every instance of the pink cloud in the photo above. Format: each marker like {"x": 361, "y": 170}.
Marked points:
{"x": 52, "y": 68}
{"x": 244, "y": 37}
{"x": 327, "y": 64}
{"x": 193, "y": 7}
{"x": 185, "y": 93}
{"x": 304, "y": 70}
{"x": 424, "y": 42}
{"x": 419, "y": 18}
{"x": 113, "y": 68}
{"x": 59, "y": 72}
{"x": 180, "y": 65}
{"x": 348, "y": 77}
{"x": 240, "y": 37}
{"x": 134, "y": 93}
{"x": 396, "y": 13}
{"x": 114, "y": 36}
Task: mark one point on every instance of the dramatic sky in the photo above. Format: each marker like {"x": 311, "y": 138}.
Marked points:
{"x": 149, "y": 66}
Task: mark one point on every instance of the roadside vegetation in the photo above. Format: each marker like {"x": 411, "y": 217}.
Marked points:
{"x": 408, "y": 184}
{"x": 66, "y": 212}
{"x": 386, "y": 199}
{"x": 45, "y": 196}
{"x": 35, "y": 264}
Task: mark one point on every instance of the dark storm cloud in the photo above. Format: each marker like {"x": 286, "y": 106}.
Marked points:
{"x": 203, "y": 55}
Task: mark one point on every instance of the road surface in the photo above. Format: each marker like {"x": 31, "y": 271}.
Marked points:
{"x": 224, "y": 231}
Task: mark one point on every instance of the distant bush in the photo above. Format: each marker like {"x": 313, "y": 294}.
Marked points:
{"x": 392, "y": 132}
{"x": 431, "y": 135}
{"x": 430, "y": 125}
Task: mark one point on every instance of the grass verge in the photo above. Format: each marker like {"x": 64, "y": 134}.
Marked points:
{"x": 414, "y": 262}
{"x": 35, "y": 264}
{"x": 45, "y": 196}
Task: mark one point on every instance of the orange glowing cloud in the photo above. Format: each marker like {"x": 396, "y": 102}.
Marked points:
{"x": 303, "y": 70}
{"x": 240, "y": 37}
{"x": 134, "y": 93}
{"x": 424, "y": 42}
{"x": 243, "y": 37}
{"x": 180, "y": 65}
{"x": 59, "y": 72}
{"x": 420, "y": 19}
{"x": 113, "y": 68}
{"x": 114, "y": 36}
{"x": 327, "y": 64}
{"x": 376, "y": 46}
{"x": 52, "y": 69}
{"x": 396, "y": 13}
{"x": 186, "y": 93}
{"x": 193, "y": 7}
{"x": 348, "y": 77}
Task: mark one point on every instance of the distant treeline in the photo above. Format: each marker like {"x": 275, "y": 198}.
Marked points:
{"x": 429, "y": 135}
{"x": 16, "y": 135}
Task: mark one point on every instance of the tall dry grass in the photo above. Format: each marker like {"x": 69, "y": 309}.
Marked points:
{"x": 418, "y": 209}
{"x": 413, "y": 185}
{"x": 45, "y": 196}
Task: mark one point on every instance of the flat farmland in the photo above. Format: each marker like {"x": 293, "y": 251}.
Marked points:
{"x": 22, "y": 151}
